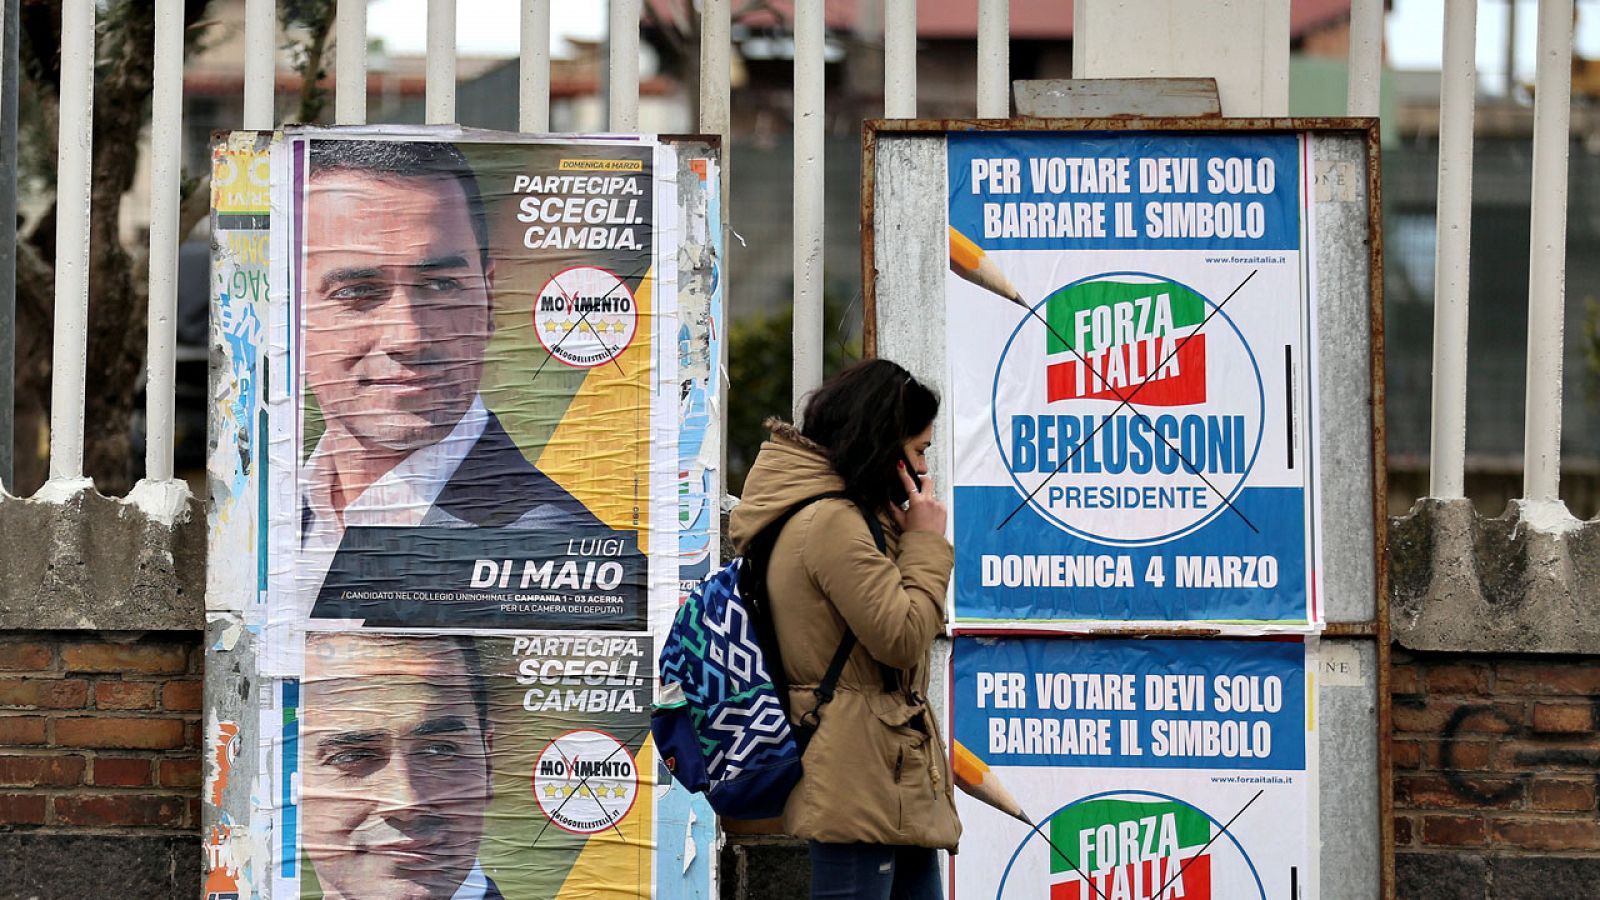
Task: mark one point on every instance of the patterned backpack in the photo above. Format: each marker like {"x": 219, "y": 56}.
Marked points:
{"x": 721, "y": 723}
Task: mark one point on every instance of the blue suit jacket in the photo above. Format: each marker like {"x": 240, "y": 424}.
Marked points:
{"x": 494, "y": 487}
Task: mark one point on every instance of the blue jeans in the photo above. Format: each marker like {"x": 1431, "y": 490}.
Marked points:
{"x": 874, "y": 872}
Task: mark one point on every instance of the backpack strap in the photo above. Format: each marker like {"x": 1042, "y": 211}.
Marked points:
{"x": 810, "y": 721}
{"x": 753, "y": 587}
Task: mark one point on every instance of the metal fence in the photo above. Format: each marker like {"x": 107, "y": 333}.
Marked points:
{"x": 897, "y": 19}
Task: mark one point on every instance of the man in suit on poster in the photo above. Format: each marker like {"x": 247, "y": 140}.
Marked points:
{"x": 398, "y": 288}
{"x": 396, "y": 767}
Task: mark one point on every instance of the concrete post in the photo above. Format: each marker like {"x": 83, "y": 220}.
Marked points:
{"x": 1243, "y": 44}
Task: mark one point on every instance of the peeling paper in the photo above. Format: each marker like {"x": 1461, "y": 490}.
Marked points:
{"x": 240, "y": 212}
{"x": 230, "y": 635}
{"x": 224, "y": 880}
{"x": 688, "y": 842}
{"x": 223, "y": 740}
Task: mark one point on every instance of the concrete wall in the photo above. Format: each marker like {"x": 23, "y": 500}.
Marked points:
{"x": 1496, "y": 697}
{"x": 1496, "y": 692}
{"x": 100, "y": 697}
{"x": 1496, "y": 702}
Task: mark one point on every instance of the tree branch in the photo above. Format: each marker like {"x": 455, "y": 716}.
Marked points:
{"x": 194, "y": 206}
{"x": 317, "y": 19}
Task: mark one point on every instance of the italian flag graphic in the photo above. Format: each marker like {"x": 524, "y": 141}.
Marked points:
{"x": 1107, "y": 337}
{"x": 1129, "y": 850}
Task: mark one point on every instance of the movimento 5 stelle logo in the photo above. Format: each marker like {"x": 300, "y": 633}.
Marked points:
{"x": 1151, "y": 413}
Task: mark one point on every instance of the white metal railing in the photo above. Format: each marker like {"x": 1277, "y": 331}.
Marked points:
{"x": 166, "y": 130}
{"x": 69, "y": 353}
{"x": 991, "y": 79}
{"x": 440, "y": 99}
{"x": 533, "y": 79}
{"x": 1547, "y": 256}
{"x": 809, "y": 187}
{"x": 1366, "y": 58}
{"x": 260, "y": 46}
{"x": 900, "y": 59}
{"x": 350, "y": 69}
{"x": 994, "y": 59}
{"x": 622, "y": 88}
{"x": 1458, "y": 87}
{"x": 716, "y": 73}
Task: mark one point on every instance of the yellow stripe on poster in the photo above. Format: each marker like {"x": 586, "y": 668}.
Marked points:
{"x": 1311, "y": 703}
{"x": 601, "y": 450}
{"x": 616, "y": 863}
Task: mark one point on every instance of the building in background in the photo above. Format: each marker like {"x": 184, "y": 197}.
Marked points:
{"x": 760, "y": 255}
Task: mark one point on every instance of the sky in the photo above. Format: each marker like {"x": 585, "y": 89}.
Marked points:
{"x": 1415, "y": 37}
{"x": 483, "y": 27}
{"x": 1414, "y": 30}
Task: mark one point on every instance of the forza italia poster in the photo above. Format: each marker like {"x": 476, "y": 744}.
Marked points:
{"x": 1130, "y": 339}
{"x": 1146, "y": 769}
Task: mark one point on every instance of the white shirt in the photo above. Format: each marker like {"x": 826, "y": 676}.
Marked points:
{"x": 401, "y": 498}
{"x": 475, "y": 887}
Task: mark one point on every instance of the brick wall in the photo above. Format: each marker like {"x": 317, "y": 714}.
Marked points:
{"x": 100, "y": 735}
{"x": 1496, "y": 765}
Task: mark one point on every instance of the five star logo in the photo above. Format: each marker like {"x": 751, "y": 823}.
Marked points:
{"x": 585, "y": 316}
{"x": 585, "y": 781}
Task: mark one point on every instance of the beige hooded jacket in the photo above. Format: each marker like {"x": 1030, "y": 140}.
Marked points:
{"x": 875, "y": 771}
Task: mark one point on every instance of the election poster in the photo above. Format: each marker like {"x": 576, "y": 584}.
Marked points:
{"x": 240, "y": 206}
{"x": 1132, "y": 360}
{"x": 1116, "y": 769}
{"x": 240, "y": 209}
{"x": 700, "y": 303}
{"x": 459, "y": 519}
{"x": 686, "y": 859}
{"x": 464, "y": 766}
{"x": 474, "y": 416}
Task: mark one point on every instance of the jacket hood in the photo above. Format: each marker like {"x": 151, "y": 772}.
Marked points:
{"x": 789, "y": 468}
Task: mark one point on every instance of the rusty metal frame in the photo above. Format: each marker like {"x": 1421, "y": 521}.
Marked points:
{"x": 1378, "y": 627}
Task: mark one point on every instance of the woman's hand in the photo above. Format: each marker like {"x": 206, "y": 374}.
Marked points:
{"x": 921, "y": 512}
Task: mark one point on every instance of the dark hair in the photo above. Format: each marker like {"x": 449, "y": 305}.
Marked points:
{"x": 862, "y": 417}
{"x": 407, "y": 159}
{"x": 473, "y": 663}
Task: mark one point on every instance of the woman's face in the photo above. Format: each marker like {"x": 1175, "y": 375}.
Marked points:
{"x": 916, "y": 449}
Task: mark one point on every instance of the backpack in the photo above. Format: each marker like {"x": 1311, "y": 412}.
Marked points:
{"x": 721, "y": 724}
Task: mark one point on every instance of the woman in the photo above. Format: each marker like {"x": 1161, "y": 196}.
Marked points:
{"x": 875, "y": 798}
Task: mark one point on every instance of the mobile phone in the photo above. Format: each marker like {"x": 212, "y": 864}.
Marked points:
{"x": 897, "y": 490}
